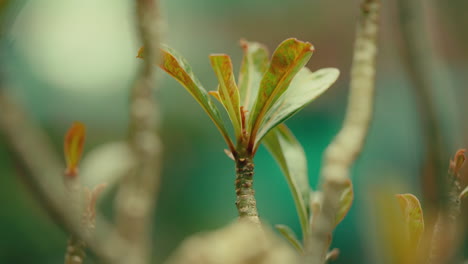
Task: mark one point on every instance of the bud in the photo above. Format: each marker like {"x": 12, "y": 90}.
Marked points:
{"x": 73, "y": 147}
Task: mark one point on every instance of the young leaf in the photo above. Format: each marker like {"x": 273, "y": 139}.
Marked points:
{"x": 291, "y": 158}
{"x": 288, "y": 233}
{"x": 346, "y": 201}
{"x": 304, "y": 88}
{"x": 176, "y": 66}
{"x": 73, "y": 147}
{"x": 227, "y": 89}
{"x": 290, "y": 56}
{"x": 413, "y": 216}
{"x": 254, "y": 64}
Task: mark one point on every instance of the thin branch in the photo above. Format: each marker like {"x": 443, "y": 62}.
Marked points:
{"x": 136, "y": 198}
{"x": 418, "y": 60}
{"x": 347, "y": 145}
{"x": 42, "y": 171}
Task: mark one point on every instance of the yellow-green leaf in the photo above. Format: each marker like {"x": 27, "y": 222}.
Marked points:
{"x": 254, "y": 64}
{"x": 290, "y": 56}
{"x": 227, "y": 89}
{"x": 304, "y": 88}
{"x": 346, "y": 201}
{"x": 413, "y": 216}
{"x": 291, "y": 158}
{"x": 176, "y": 66}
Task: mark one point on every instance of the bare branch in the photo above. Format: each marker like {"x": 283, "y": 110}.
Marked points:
{"x": 345, "y": 148}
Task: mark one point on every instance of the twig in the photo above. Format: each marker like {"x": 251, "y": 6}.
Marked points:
{"x": 136, "y": 197}
{"x": 42, "y": 169}
{"x": 345, "y": 148}
{"x": 417, "y": 56}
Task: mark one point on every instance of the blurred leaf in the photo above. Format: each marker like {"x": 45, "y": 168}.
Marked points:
{"x": 107, "y": 164}
{"x": 346, "y": 201}
{"x": 73, "y": 147}
{"x": 227, "y": 89}
{"x": 413, "y": 216}
{"x": 254, "y": 65}
{"x": 290, "y": 56}
{"x": 176, "y": 66}
{"x": 304, "y": 88}
{"x": 288, "y": 233}
{"x": 291, "y": 158}
{"x": 391, "y": 228}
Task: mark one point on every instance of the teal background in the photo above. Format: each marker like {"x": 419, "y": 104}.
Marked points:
{"x": 66, "y": 61}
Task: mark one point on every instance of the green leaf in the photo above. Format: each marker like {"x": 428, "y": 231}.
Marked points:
{"x": 227, "y": 89}
{"x": 288, "y": 233}
{"x": 304, "y": 88}
{"x": 290, "y": 56}
{"x": 346, "y": 201}
{"x": 254, "y": 64}
{"x": 291, "y": 158}
{"x": 413, "y": 216}
{"x": 176, "y": 66}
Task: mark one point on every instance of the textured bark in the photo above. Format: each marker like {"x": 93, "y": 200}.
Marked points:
{"x": 245, "y": 202}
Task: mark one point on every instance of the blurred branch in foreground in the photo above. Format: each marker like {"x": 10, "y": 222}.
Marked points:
{"x": 42, "y": 171}
{"x": 345, "y": 148}
{"x": 137, "y": 193}
{"x": 418, "y": 59}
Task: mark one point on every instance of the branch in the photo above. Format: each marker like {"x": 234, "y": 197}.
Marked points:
{"x": 418, "y": 60}
{"x": 42, "y": 170}
{"x": 136, "y": 199}
{"x": 347, "y": 145}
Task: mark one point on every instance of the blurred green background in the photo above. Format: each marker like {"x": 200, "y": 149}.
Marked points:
{"x": 75, "y": 60}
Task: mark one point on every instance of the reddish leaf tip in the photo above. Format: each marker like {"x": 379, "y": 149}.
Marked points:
{"x": 457, "y": 163}
{"x": 73, "y": 147}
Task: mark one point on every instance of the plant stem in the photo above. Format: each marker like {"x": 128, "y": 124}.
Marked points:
{"x": 347, "y": 145}
{"x": 245, "y": 202}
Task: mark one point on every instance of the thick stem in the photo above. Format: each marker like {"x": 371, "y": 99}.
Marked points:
{"x": 245, "y": 202}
